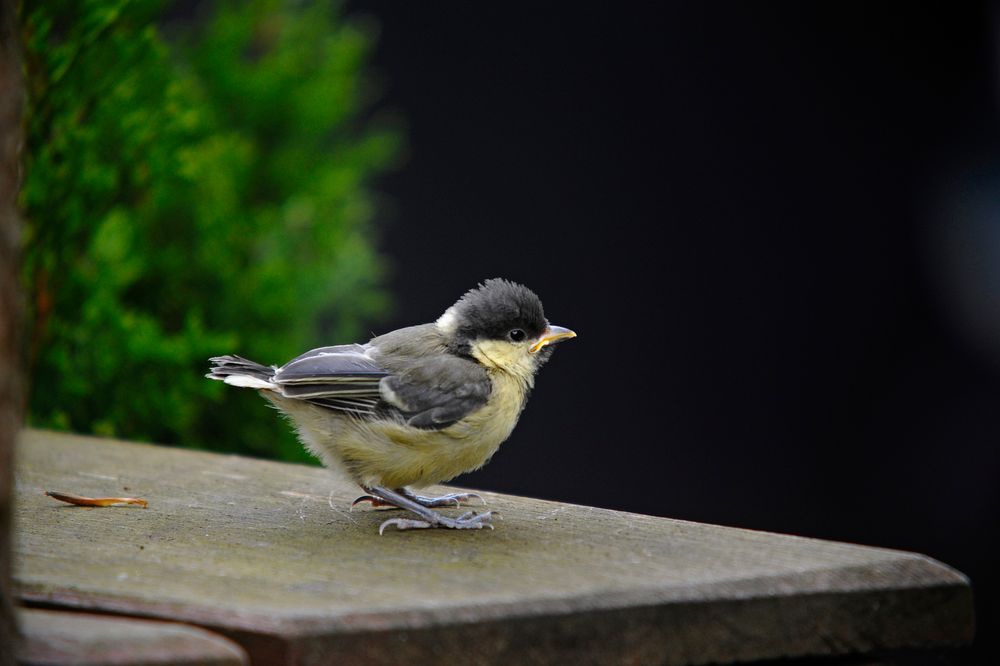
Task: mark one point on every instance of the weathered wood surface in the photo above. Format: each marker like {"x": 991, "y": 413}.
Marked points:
{"x": 267, "y": 554}
{"x": 55, "y": 638}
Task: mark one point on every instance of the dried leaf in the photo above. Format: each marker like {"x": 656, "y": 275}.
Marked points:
{"x": 95, "y": 501}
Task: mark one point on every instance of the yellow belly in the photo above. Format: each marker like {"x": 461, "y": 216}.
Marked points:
{"x": 394, "y": 455}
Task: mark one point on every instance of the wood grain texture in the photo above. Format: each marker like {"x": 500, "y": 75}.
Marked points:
{"x": 55, "y": 638}
{"x": 268, "y": 554}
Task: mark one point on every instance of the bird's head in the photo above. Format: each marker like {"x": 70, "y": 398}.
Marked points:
{"x": 502, "y": 325}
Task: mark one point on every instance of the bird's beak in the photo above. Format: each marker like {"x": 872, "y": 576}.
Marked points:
{"x": 552, "y": 335}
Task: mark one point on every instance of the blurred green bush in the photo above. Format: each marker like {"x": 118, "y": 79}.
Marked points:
{"x": 204, "y": 195}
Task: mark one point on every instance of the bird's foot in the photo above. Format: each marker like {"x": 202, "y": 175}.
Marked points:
{"x": 467, "y": 521}
{"x": 425, "y": 516}
{"x": 451, "y": 499}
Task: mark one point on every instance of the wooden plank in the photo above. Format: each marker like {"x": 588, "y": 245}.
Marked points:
{"x": 54, "y": 638}
{"x": 268, "y": 554}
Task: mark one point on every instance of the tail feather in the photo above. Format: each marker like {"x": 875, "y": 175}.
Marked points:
{"x": 239, "y": 371}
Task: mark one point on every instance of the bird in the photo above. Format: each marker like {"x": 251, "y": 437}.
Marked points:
{"x": 416, "y": 406}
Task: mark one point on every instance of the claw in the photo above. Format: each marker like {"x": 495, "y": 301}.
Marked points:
{"x": 469, "y": 496}
{"x": 466, "y": 498}
{"x": 376, "y": 502}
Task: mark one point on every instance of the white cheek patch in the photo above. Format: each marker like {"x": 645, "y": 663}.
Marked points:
{"x": 447, "y": 322}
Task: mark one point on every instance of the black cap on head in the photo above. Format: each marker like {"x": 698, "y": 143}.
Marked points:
{"x": 495, "y": 308}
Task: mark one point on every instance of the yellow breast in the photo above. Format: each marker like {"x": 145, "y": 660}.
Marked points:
{"x": 394, "y": 455}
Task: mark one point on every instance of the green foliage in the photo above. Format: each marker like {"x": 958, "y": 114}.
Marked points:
{"x": 189, "y": 199}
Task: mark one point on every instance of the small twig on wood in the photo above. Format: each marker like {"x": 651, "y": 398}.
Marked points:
{"x": 95, "y": 501}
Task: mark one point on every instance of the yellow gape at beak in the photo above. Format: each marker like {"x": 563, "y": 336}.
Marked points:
{"x": 552, "y": 335}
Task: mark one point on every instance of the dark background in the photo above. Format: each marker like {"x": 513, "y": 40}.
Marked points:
{"x": 776, "y": 228}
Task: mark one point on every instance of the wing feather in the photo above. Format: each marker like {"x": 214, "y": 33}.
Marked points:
{"x": 344, "y": 378}
{"x": 348, "y": 363}
{"x": 438, "y": 391}
{"x": 427, "y": 391}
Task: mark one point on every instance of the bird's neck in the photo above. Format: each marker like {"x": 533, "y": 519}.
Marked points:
{"x": 501, "y": 358}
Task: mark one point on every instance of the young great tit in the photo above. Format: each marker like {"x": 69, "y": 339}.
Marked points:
{"x": 416, "y": 406}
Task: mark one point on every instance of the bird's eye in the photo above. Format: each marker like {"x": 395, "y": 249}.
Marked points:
{"x": 516, "y": 335}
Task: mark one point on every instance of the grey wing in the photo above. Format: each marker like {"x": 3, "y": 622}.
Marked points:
{"x": 436, "y": 392}
{"x": 344, "y": 378}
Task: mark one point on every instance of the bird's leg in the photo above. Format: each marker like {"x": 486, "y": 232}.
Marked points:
{"x": 451, "y": 499}
{"x": 427, "y": 517}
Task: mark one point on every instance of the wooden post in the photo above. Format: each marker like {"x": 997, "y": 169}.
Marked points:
{"x": 11, "y": 100}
